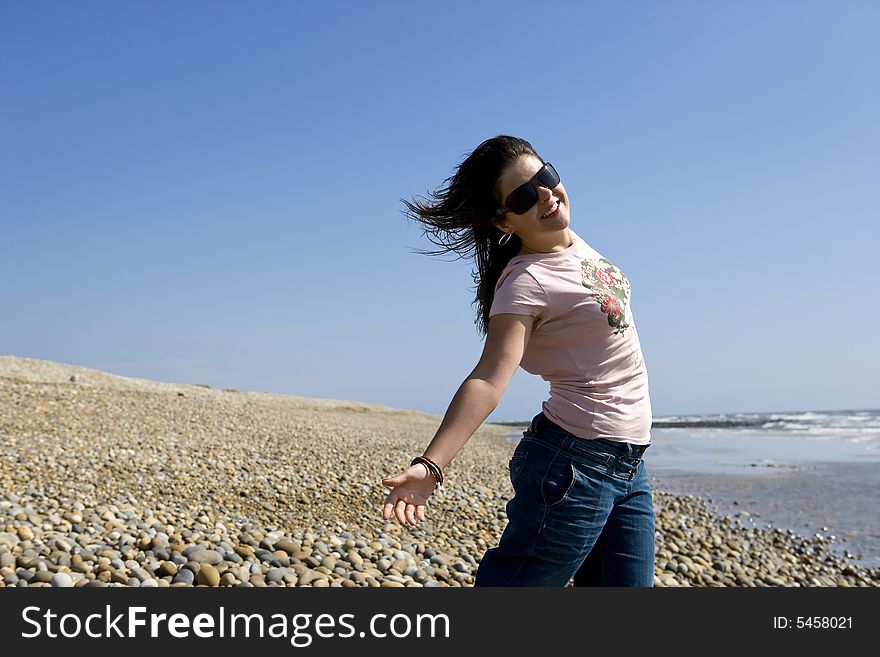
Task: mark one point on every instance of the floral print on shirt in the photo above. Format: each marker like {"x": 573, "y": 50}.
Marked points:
{"x": 610, "y": 288}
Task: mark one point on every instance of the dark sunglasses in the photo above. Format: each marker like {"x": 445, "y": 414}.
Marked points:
{"x": 523, "y": 198}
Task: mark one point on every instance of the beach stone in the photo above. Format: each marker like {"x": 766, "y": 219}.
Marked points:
{"x": 119, "y": 577}
{"x": 8, "y": 539}
{"x": 184, "y": 576}
{"x": 244, "y": 551}
{"x": 269, "y": 559}
{"x": 231, "y": 557}
{"x": 43, "y": 576}
{"x": 211, "y": 557}
{"x": 61, "y": 580}
{"x": 166, "y": 568}
{"x": 307, "y": 577}
{"x": 354, "y": 559}
{"x": 208, "y": 575}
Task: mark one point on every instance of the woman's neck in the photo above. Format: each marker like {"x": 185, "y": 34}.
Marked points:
{"x": 553, "y": 245}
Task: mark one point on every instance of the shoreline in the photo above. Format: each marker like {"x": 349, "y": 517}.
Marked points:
{"x": 124, "y": 482}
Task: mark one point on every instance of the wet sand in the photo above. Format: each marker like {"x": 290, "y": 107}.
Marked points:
{"x": 839, "y": 502}
{"x": 829, "y": 488}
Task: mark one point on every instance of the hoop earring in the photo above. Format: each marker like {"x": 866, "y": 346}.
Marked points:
{"x": 504, "y": 239}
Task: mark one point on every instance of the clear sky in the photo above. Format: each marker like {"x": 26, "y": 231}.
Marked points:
{"x": 209, "y": 192}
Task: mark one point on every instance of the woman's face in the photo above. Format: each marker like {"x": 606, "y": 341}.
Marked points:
{"x": 533, "y": 224}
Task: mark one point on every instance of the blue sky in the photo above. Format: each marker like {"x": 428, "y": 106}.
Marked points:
{"x": 209, "y": 192}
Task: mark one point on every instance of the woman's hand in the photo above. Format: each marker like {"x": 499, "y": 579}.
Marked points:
{"x": 410, "y": 492}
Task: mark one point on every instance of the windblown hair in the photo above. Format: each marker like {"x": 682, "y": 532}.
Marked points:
{"x": 458, "y": 217}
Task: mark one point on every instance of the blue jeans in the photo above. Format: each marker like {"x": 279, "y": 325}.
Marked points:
{"x": 581, "y": 508}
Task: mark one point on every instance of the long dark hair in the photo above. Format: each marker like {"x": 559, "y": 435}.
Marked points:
{"x": 458, "y": 217}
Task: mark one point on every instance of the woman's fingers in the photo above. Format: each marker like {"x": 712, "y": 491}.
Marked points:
{"x": 390, "y": 502}
{"x": 398, "y": 511}
{"x": 399, "y": 503}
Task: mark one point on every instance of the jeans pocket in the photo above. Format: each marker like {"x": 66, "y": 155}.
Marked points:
{"x": 516, "y": 465}
{"x": 558, "y": 481}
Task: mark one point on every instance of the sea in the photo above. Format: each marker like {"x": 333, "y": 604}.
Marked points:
{"x": 816, "y": 473}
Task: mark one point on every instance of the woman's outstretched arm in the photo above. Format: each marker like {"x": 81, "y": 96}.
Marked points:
{"x": 472, "y": 403}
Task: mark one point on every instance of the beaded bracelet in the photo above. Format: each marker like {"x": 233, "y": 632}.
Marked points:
{"x": 433, "y": 468}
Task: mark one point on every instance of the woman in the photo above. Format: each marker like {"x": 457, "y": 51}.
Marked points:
{"x": 549, "y": 302}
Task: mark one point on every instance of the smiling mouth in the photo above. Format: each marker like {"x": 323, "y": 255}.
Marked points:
{"x": 551, "y": 211}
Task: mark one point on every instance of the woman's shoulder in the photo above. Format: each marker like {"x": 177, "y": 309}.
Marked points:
{"x": 519, "y": 272}
{"x": 512, "y": 268}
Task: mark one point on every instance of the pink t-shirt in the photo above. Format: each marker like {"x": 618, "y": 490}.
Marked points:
{"x": 584, "y": 341}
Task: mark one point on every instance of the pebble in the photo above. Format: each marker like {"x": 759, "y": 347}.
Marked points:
{"x": 184, "y": 576}
{"x": 208, "y": 575}
{"x": 61, "y": 580}
{"x": 167, "y": 568}
{"x": 211, "y": 557}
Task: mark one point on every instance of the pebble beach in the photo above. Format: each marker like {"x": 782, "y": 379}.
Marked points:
{"x": 114, "y": 481}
